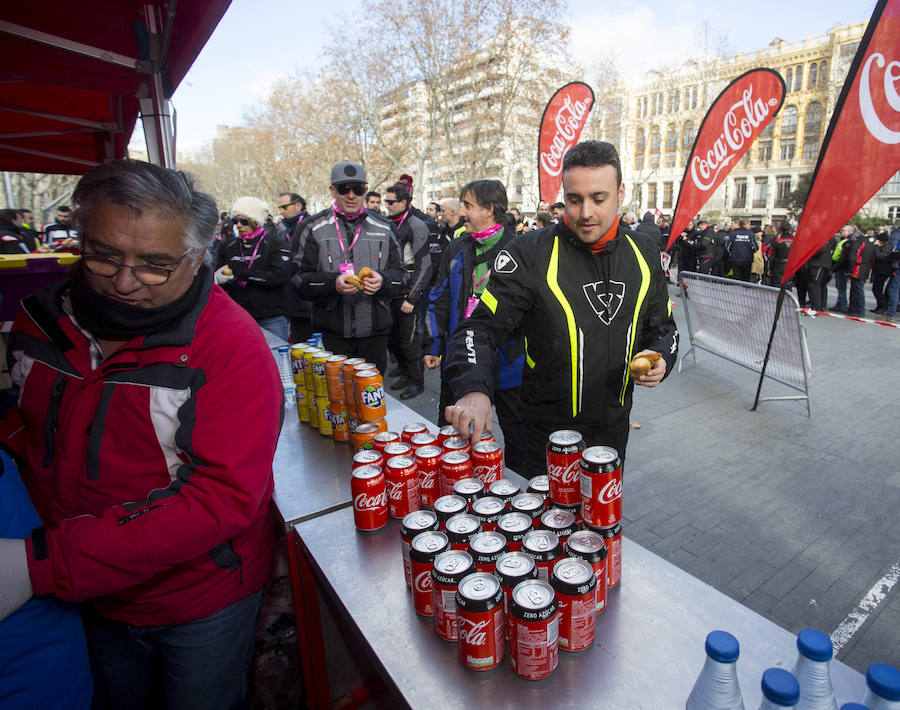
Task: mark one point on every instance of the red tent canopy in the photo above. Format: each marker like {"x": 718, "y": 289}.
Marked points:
{"x": 75, "y": 75}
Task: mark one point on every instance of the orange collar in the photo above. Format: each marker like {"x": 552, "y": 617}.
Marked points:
{"x": 600, "y": 245}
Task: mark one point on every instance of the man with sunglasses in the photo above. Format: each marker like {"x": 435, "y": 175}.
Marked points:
{"x": 339, "y": 242}
{"x": 149, "y": 414}
{"x": 292, "y": 208}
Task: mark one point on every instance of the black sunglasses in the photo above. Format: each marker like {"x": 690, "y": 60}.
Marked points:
{"x": 242, "y": 221}
{"x": 390, "y": 202}
{"x": 344, "y": 188}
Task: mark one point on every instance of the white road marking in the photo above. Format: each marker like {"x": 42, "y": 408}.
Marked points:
{"x": 856, "y": 618}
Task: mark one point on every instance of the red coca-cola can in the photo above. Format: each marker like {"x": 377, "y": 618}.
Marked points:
{"x": 485, "y": 548}
{"x": 411, "y": 429}
{"x": 561, "y": 522}
{"x": 402, "y": 486}
{"x": 529, "y": 503}
{"x": 514, "y": 527}
{"x": 486, "y": 435}
{"x": 446, "y": 432}
{"x": 460, "y": 528}
{"x": 449, "y": 569}
{"x": 422, "y": 551}
{"x": 370, "y": 505}
{"x": 427, "y": 459}
{"x": 576, "y": 591}
{"x": 544, "y": 548}
{"x": 488, "y": 510}
{"x": 513, "y": 567}
{"x": 457, "y": 443}
{"x": 397, "y": 448}
{"x": 504, "y": 489}
{"x": 487, "y": 462}
{"x": 540, "y": 485}
{"x": 470, "y": 489}
{"x": 454, "y": 466}
{"x": 418, "y": 522}
{"x": 612, "y": 536}
{"x": 383, "y": 438}
{"x": 425, "y": 438}
{"x": 447, "y": 506}
{"x": 534, "y": 631}
{"x": 601, "y": 486}
{"x": 480, "y": 622}
{"x": 589, "y": 546}
{"x": 368, "y": 457}
{"x": 563, "y": 466}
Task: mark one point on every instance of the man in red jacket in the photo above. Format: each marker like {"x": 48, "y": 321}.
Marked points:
{"x": 157, "y": 511}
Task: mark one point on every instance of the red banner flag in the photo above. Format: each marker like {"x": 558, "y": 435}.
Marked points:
{"x": 561, "y": 125}
{"x": 737, "y": 117}
{"x": 862, "y": 146}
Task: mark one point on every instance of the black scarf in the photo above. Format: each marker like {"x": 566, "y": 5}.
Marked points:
{"x": 108, "y": 319}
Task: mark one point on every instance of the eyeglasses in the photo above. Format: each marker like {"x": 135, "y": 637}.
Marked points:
{"x": 344, "y": 188}
{"x": 391, "y": 202}
{"x": 286, "y": 205}
{"x": 242, "y": 221}
{"x": 147, "y": 274}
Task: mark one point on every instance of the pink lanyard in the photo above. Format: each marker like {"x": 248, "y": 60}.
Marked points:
{"x": 337, "y": 227}
{"x": 402, "y": 220}
{"x": 255, "y": 249}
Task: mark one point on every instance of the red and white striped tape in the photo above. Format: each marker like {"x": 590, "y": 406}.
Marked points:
{"x": 811, "y": 312}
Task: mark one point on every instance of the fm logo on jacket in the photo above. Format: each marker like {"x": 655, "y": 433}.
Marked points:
{"x": 605, "y": 298}
{"x": 504, "y": 263}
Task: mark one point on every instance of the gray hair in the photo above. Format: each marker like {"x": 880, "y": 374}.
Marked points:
{"x": 144, "y": 187}
{"x": 450, "y": 203}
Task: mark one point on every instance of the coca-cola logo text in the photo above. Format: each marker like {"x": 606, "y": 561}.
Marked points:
{"x": 564, "y": 474}
{"x": 611, "y": 491}
{"x": 890, "y": 100}
{"x": 423, "y": 582}
{"x": 471, "y": 632}
{"x": 428, "y": 480}
{"x": 487, "y": 474}
{"x": 364, "y": 502}
{"x": 569, "y": 122}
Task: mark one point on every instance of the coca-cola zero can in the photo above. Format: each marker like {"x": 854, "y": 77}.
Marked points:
{"x": 612, "y": 536}
{"x": 514, "y": 527}
{"x": 447, "y": 506}
{"x": 532, "y": 504}
{"x": 575, "y": 585}
{"x": 460, "y": 528}
{"x": 485, "y": 548}
{"x": 544, "y": 548}
{"x": 540, "y": 486}
{"x": 449, "y": 569}
{"x": 513, "y": 567}
{"x": 370, "y": 505}
{"x": 414, "y": 523}
{"x": 480, "y": 622}
{"x": 589, "y": 546}
{"x": 488, "y": 510}
{"x": 504, "y": 489}
{"x": 470, "y": 489}
{"x": 601, "y": 486}
{"x": 561, "y": 522}
{"x": 534, "y": 631}
{"x": 423, "y": 549}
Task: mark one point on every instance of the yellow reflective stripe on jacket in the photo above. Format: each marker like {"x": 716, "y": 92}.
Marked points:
{"x": 553, "y": 283}
{"x": 645, "y": 286}
{"x": 488, "y": 299}
{"x": 528, "y": 359}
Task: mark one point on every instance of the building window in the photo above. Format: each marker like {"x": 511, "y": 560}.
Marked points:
{"x": 788, "y": 132}
{"x": 671, "y": 145}
{"x": 644, "y": 113}
{"x": 688, "y": 134}
{"x": 812, "y": 128}
{"x": 655, "y": 144}
{"x": 739, "y": 200}
{"x": 823, "y": 74}
{"x": 695, "y": 95}
{"x": 640, "y": 145}
{"x": 813, "y": 76}
{"x": 764, "y": 142}
{"x": 894, "y": 212}
{"x": 651, "y": 195}
{"x": 637, "y": 112}
{"x": 789, "y": 79}
{"x": 760, "y": 192}
{"x": 782, "y": 190}
{"x": 798, "y": 77}
{"x": 667, "y": 196}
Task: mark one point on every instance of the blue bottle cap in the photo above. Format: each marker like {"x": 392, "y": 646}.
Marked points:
{"x": 884, "y": 680}
{"x": 815, "y": 645}
{"x": 721, "y": 646}
{"x": 284, "y": 348}
{"x": 780, "y": 687}
{"x": 853, "y": 706}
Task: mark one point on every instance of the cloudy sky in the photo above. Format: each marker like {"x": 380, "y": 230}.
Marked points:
{"x": 260, "y": 40}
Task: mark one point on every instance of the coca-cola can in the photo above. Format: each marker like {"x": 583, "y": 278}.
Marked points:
{"x": 576, "y": 591}
{"x": 487, "y": 462}
{"x": 449, "y": 569}
{"x": 612, "y": 536}
{"x": 422, "y": 551}
{"x": 470, "y": 489}
{"x": 425, "y": 438}
{"x": 529, "y": 503}
{"x": 446, "y": 507}
{"x": 446, "y": 432}
{"x": 561, "y": 522}
{"x": 411, "y": 429}
{"x": 486, "y": 435}
{"x": 368, "y": 457}
{"x": 513, "y": 567}
{"x": 534, "y": 630}
{"x": 370, "y": 505}
{"x": 460, "y": 528}
{"x": 601, "y": 486}
{"x": 488, "y": 510}
{"x": 402, "y": 486}
{"x": 544, "y": 548}
{"x": 514, "y": 526}
{"x": 480, "y": 622}
{"x": 574, "y": 509}
{"x": 504, "y": 489}
{"x": 563, "y": 465}
{"x": 590, "y": 547}
{"x": 454, "y": 466}
{"x": 540, "y": 485}
{"x": 383, "y": 438}
{"x": 418, "y": 522}
{"x": 457, "y": 443}
{"x": 485, "y": 548}
{"x": 397, "y": 448}
{"x": 427, "y": 459}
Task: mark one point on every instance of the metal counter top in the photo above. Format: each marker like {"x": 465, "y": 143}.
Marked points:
{"x": 648, "y": 653}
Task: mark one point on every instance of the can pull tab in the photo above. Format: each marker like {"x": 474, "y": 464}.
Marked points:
{"x": 478, "y": 585}
{"x": 422, "y": 520}
{"x": 535, "y": 597}
{"x": 431, "y": 544}
{"x": 569, "y": 572}
{"x": 452, "y": 565}
{"x": 514, "y": 564}
{"x": 543, "y": 543}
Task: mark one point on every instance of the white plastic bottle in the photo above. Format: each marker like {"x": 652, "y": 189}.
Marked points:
{"x": 780, "y": 690}
{"x": 717, "y": 685}
{"x": 287, "y": 377}
{"x": 812, "y": 671}
{"x": 883, "y": 691}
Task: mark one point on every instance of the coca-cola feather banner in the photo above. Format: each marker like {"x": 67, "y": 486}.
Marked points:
{"x": 561, "y": 126}
{"x": 862, "y": 146}
{"x": 737, "y": 117}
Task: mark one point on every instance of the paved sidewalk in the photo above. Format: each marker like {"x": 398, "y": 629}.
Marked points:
{"x": 795, "y": 518}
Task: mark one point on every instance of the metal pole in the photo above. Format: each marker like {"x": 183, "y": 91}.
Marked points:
{"x": 762, "y": 374}
{"x": 10, "y": 197}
